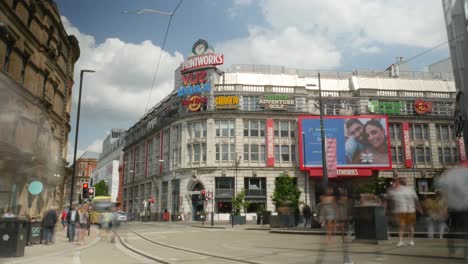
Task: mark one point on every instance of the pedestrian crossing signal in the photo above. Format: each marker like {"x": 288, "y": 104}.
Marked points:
{"x": 84, "y": 190}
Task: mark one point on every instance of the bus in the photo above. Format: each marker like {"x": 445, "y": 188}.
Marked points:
{"x": 99, "y": 205}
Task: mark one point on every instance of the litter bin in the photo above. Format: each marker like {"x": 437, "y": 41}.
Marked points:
{"x": 12, "y": 237}
{"x": 266, "y": 217}
{"x": 370, "y": 223}
{"x": 34, "y": 232}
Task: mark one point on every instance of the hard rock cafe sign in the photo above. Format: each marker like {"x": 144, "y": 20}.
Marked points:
{"x": 421, "y": 107}
{"x": 195, "y": 102}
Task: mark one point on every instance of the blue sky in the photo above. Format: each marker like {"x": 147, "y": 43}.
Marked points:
{"x": 341, "y": 35}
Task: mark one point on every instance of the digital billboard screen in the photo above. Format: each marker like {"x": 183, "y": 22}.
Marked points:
{"x": 351, "y": 142}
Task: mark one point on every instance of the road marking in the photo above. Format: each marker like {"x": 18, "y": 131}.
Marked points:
{"x": 131, "y": 254}
{"x": 77, "y": 257}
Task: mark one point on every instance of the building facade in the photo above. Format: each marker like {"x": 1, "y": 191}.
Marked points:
{"x": 86, "y": 166}
{"x": 222, "y": 132}
{"x": 37, "y": 60}
{"x": 109, "y": 163}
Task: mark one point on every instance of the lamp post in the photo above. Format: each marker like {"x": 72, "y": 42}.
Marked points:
{"x": 322, "y": 136}
{"x": 305, "y": 171}
{"x": 235, "y": 186}
{"x": 76, "y": 136}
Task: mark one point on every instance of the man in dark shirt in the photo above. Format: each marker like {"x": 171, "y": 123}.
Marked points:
{"x": 50, "y": 220}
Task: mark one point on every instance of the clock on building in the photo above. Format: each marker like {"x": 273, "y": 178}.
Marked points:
{"x": 200, "y": 47}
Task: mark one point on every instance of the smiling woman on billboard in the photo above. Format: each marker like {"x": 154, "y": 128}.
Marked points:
{"x": 375, "y": 144}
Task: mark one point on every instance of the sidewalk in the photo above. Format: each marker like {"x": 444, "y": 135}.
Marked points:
{"x": 60, "y": 246}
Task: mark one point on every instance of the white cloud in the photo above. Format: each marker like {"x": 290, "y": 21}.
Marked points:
{"x": 416, "y": 23}
{"x": 96, "y": 146}
{"x": 314, "y": 34}
{"x": 288, "y": 47}
{"x": 120, "y": 87}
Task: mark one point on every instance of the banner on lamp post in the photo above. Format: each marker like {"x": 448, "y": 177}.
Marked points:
{"x": 330, "y": 155}
{"x": 270, "y": 144}
{"x": 461, "y": 149}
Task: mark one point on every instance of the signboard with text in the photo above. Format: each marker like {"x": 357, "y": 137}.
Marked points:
{"x": 406, "y": 145}
{"x": 227, "y": 102}
{"x": 276, "y": 102}
{"x": 270, "y": 144}
{"x": 383, "y": 107}
{"x": 361, "y": 142}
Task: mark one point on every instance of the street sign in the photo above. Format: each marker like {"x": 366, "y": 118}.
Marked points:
{"x": 209, "y": 195}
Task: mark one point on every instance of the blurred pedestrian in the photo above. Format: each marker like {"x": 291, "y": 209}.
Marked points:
{"x": 105, "y": 222}
{"x": 73, "y": 220}
{"x": 436, "y": 209}
{"x": 344, "y": 207}
{"x": 306, "y": 213}
{"x": 83, "y": 223}
{"x": 50, "y": 220}
{"x": 405, "y": 204}
{"x": 328, "y": 212}
{"x": 8, "y": 214}
{"x": 63, "y": 218}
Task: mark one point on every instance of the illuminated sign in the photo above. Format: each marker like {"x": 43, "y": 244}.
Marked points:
{"x": 406, "y": 145}
{"x": 227, "y": 102}
{"x": 367, "y": 150}
{"x": 422, "y": 107}
{"x": 189, "y": 90}
{"x": 202, "y": 62}
{"x": 194, "y": 78}
{"x": 195, "y": 102}
{"x": 375, "y": 106}
{"x": 276, "y": 102}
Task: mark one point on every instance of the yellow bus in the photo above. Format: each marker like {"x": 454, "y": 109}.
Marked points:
{"x": 100, "y": 204}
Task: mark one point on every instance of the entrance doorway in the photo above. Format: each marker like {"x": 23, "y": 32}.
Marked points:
{"x": 197, "y": 202}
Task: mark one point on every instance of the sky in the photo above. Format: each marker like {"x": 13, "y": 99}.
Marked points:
{"x": 124, "y": 49}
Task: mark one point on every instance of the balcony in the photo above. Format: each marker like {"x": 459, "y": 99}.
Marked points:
{"x": 255, "y": 192}
{"x": 221, "y": 193}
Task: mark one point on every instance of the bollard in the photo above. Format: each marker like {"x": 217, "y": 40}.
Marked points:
{"x": 212, "y": 218}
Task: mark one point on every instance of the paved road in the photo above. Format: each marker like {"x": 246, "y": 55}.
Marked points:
{"x": 188, "y": 244}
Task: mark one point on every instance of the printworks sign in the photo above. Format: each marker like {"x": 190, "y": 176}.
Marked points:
{"x": 383, "y": 107}
{"x": 276, "y": 102}
{"x": 227, "y": 102}
{"x": 202, "y": 57}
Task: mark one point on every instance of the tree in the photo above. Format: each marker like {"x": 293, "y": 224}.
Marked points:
{"x": 239, "y": 203}
{"x": 286, "y": 192}
{"x": 101, "y": 188}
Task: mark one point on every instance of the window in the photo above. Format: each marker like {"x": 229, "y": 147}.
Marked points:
{"x": 225, "y": 152}
{"x": 24, "y": 61}
{"x": 284, "y": 128}
{"x": 395, "y": 131}
{"x": 254, "y": 128}
{"x": 254, "y": 152}
{"x": 448, "y": 155}
{"x": 422, "y": 155}
{"x": 397, "y": 155}
{"x": 197, "y": 152}
{"x": 9, "y": 50}
{"x": 285, "y": 153}
{"x": 250, "y": 103}
{"x": 197, "y": 129}
{"x": 445, "y": 133}
{"x": 419, "y": 132}
{"x": 225, "y": 128}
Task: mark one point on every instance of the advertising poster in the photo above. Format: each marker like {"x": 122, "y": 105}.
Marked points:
{"x": 361, "y": 141}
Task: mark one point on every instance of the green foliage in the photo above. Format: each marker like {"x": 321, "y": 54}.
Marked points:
{"x": 101, "y": 188}
{"x": 239, "y": 203}
{"x": 377, "y": 187}
{"x": 286, "y": 192}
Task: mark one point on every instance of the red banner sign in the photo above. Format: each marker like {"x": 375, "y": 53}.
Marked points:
{"x": 407, "y": 146}
{"x": 270, "y": 144}
{"x": 343, "y": 172}
{"x": 330, "y": 147}
{"x": 461, "y": 149}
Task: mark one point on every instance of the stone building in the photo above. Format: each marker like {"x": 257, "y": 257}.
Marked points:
{"x": 220, "y": 132}
{"x": 37, "y": 60}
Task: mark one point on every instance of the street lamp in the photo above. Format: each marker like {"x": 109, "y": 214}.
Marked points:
{"x": 235, "y": 185}
{"x": 322, "y": 136}
{"x": 76, "y": 136}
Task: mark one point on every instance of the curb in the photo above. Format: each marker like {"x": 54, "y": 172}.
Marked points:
{"x": 209, "y": 227}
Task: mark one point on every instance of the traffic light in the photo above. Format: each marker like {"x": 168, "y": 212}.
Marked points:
{"x": 84, "y": 190}
{"x": 203, "y": 195}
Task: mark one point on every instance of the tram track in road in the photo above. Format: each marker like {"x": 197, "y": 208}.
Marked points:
{"x": 195, "y": 253}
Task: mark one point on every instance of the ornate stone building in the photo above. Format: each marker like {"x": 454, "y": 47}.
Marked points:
{"x": 37, "y": 60}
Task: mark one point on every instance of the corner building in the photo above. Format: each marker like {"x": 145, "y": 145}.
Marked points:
{"x": 241, "y": 133}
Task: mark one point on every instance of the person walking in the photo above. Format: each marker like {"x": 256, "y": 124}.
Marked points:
{"x": 63, "y": 218}
{"x": 405, "y": 205}
{"x": 436, "y": 208}
{"x": 72, "y": 220}
{"x": 83, "y": 223}
{"x": 328, "y": 212}
{"x": 306, "y": 213}
{"x": 50, "y": 220}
